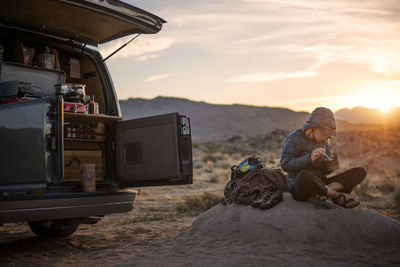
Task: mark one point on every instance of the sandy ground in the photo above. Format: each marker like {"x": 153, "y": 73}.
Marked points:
{"x": 119, "y": 240}
{"x": 168, "y": 243}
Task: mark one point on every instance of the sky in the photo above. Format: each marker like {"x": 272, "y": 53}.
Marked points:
{"x": 298, "y": 54}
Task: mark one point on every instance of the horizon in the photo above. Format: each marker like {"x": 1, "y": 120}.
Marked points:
{"x": 207, "y": 102}
{"x": 298, "y": 54}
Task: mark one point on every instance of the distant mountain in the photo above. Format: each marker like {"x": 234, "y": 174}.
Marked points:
{"x": 210, "y": 121}
{"x": 368, "y": 115}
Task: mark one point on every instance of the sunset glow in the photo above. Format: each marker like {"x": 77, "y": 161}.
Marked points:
{"x": 382, "y": 99}
{"x": 298, "y": 54}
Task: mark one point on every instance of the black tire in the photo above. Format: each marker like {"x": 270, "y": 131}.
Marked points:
{"x": 54, "y": 228}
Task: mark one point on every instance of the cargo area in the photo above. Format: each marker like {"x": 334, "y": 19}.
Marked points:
{"x": 58, "y": 100}
{"x": 30, "y": 72}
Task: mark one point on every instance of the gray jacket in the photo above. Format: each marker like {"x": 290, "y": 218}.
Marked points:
{"x": 297, "y": 148}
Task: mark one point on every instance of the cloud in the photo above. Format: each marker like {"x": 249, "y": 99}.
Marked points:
{"x": 266, "y": 76}
{"x": 392, "y": 83}
{"x": 156, "y": 77}
{"x": 361, "y": 33}
{"x": 141, "y": 48}
{"x": 146, "y": 57}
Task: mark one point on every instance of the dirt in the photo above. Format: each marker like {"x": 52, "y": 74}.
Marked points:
{"x": 154, "y": 235}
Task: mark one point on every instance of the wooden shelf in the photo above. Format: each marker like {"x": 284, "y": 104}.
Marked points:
{"x": 82, "y": 140}
{"x": 89, "y": 118}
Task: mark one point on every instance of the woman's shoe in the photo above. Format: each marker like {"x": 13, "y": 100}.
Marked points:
{"x": 270, "y": 199}
{"x": 257, "y": 202}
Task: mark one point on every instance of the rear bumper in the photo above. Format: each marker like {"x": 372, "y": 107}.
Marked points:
{"x": 56, "y": 206}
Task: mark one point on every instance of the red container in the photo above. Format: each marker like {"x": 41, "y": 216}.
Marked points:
{"x": 74, "y": 107}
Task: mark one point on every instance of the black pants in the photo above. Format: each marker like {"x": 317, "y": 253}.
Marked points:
{"x": 309, "y": 183}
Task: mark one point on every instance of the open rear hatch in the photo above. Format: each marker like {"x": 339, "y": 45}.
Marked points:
{"x": 89, "y": 21}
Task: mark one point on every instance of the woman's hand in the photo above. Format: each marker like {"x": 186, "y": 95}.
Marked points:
{"x": 316, "y": 153}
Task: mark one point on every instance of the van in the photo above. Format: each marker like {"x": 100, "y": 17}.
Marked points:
{"x": 67, "y": 157}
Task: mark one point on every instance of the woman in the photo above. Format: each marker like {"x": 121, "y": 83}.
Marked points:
{"x": 304, "y": 156}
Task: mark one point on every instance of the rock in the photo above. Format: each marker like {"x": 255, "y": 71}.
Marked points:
{"x": 293, "y": 220}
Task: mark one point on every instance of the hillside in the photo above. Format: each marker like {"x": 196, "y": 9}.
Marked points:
{"x": 216, "y": 121}
{"x": 211, "y": 121}
{"x": 368, "y": 115}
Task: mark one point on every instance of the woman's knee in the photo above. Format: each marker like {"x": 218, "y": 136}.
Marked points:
{"x": 303, "y": 175}
{"x": 304, "y": 178}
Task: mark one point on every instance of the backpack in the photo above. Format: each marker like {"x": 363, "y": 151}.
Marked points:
{"x": 237, "y": 172}
{"x": 246, "y": 165}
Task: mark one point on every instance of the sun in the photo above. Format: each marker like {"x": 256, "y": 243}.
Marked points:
{"x": 382, "y": 99}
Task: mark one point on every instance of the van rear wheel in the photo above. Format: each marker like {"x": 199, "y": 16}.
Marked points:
{"x": 54, "y": 228}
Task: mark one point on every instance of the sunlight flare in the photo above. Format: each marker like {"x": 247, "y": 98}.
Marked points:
{"x": 382, "y": 99}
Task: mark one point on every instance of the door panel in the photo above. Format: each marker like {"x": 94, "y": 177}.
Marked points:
{"x": 28, "y": 142}
{"x": 154, "y": 151}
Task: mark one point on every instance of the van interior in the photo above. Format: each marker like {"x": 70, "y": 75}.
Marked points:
{"x": 85, "y": 117}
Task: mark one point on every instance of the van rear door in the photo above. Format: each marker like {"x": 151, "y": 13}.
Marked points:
{"x": 154, "y": 151}
{"x": 86, "y": 21}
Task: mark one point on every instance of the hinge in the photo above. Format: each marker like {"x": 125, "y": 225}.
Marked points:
{"x": 185, "y": 126}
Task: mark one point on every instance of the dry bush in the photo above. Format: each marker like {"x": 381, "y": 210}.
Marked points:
{"x": 223, "y": 164}
{"x": 209, "y": 157}
{"x": 219, "y": 175}
{"x": 198, "y": 203}
{"x": 396, "y": 199}
{"x": 198, "y": 164}
{"x": 363, "y": 189}
{"x": 387, "y": 181}
{"x": 208, "y": 166}
{"x": 195, "y": 145}
{"x": 236, "y": 156}
{"x": 214, "y": 178}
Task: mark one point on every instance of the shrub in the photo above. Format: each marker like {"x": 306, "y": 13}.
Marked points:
{"x": 195, "y": 145}
{"x": 214, "y": 178}
{"x": 224, "y": 164}
{"x": 396, "y": 199}
{"x": 198, "y": 164}
{"x": 363, "y": 188}
{"x": 198, "y": 203}
{"x": 236, "y": 156}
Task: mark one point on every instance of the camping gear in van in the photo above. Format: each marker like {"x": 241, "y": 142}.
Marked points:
{"x": 74, "y": 107}
{"x": 42, "y": 80}
{"x": 19, "y": 89}
{"x": 94, "y": 132}
{"x": 28, "y": 55}
{"x": 88, "y": 177}
{"x": 72, "y": 92}
{"x": 45, "y": 59}
{"x": 73, "y": 159}
{"x": 93, "y": 106}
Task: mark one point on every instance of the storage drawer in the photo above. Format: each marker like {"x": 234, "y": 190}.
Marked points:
{"x": 72, "y": 160}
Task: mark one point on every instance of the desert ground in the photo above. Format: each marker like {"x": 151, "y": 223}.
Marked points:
{"x": 168, "y": 226}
